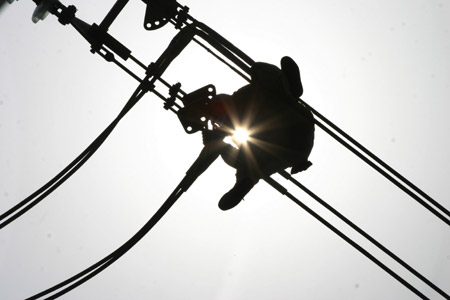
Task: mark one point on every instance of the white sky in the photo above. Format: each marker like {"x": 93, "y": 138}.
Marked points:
{"x": 379, "y": 69}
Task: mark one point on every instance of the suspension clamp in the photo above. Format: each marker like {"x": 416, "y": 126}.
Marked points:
{"x": 152, "y": 69}
{"x": 181, "y": 17}
{"x": 147, "y": 86}
{"x": 173, "y": 92}
{"x": 67, "y": 15}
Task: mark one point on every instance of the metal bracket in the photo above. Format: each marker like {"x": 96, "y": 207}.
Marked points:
{"x": 194, "y": 116}
{"x": 159, "y": 13}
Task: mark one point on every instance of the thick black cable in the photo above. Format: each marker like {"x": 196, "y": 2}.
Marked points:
{"x": 222, "y": 49}
{"x": 222, "y": 60}
{"x": 377, "y": 159}
{"x": 49, "y": 187}
{"x": 21, "y": 208}
{"x": 384, "y": 173}
{"x": 363, "y": 233}
{"x": 35, "y": 198}
{"x": 223, "y": 41}
{"x": 32, "y": 200}
{"x": 110, "y": 259}
{"x": 201, "y": 164}
{"x": 285, "y": 192}
{"x": 96, "y": 268}
{"x": 90, "y": 272}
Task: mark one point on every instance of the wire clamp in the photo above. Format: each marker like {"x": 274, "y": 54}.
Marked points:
{"x": 67, "y": 15}
{"x": 173, "y": 92}
{"x": 181, "y": 17}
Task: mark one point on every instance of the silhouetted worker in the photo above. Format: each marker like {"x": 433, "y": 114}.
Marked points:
{"x": 281, "y": 130}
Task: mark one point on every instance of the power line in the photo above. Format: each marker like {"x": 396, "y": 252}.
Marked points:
{"x": 101, "y": 265}
{"x": 384, "y": 173}
{"x": 285, "y": 192}
{"x": 205, "y": 159}
{"x": 242, "y": 61}
{"x": 380, "y": 246}
{"x": 32, "y": 200}
{"x": 207, "y": 156}
{"x": 379, "y": 161}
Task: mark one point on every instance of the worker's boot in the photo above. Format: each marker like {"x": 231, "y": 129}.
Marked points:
{"x": 236, "y": 194}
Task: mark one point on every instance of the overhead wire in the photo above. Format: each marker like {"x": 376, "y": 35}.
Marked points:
{"x": 36, "y": 197}
{"x": 285, "y": 192}
{"x": 205, "y": 36}
{"x": 385, "y": 174}
{"x": 215, "y": 36}
{"x": 83, "y": 276}
{"x": 224, "y": 48}
{"x": 207, "y": 156}
{"x": 32, "y": 200}
{"x": 380, "y": 246}
{"x": 222, "y": 60}
{"x": 378, "y": 160}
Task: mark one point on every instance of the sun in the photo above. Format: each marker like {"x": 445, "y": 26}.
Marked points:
{"x": 240, "y": 135}
{"x": 237, "y": 138}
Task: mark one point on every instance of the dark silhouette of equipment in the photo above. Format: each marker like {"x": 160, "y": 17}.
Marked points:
{"x": 280, "y": 126}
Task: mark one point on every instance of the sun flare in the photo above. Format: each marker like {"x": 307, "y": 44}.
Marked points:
{"x": 240, "y": 135}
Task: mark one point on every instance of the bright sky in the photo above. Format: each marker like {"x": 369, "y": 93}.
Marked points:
{"x": 379, "y": 69}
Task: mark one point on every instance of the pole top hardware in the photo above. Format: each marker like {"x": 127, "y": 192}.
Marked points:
{"x": 42, "y": 10}
{"x": 194, "y": 115}
{"x": 159, "y": 13}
